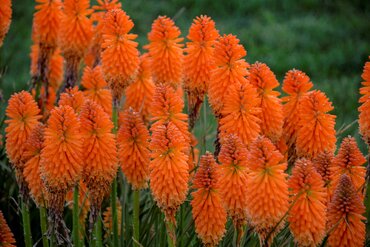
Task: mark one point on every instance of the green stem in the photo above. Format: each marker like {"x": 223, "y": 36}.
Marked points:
{"x": 76, "y": 230}
{"x": 43, "y": 221}
{"x": 171, "y": 234}
{"x": 98, "y": 233}
{"x": 26, "y": 225}
{"x": 136, "y": 213}
{"x": 204, "y": 139}
{"x": 114, "y": 184}
{"x": 114, "y": 212}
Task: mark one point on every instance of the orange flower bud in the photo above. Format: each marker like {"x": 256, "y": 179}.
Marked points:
{"x": 264, "y": 80}
{"x": 169, "y": 171}
{"x": 316, "y": 131}
{"x": 165, "y": 51}
{"x": 139, "y": 95}
{"x": 208, "y": 213}
{"x": 345, "y": 216}
{"x": 349, "y": 160}
{"x": 241, "y": 113}
{"x": 230, "y": 69}
{"x": 133, "y": 141}
{"x": 95, "y": 88}
{"x": 267, "y": 188}
{"x": 307, "y": 216}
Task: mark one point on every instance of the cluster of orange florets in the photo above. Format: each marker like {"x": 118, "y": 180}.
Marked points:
{"x": 80, "y": 140}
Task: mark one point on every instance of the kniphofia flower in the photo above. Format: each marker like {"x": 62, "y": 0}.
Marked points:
{"x": 6, "y": 235}
{"x": 73, "y": 98}
{"x": 6, "y": 17}
{"x": 208, "y": 213}
{"x": 266, "y": 189}
{"x": 22, "y": 117}
{"x": 31, "y": 172}
{"x": 139, "y": 95}
{"x": 316, "y": 131}
{"x": 345, "y": 216}
{"x": 169, "y": 173}
{"x": 296, "y": 84}
{"x": 61, "y": 158}
{"x": 133, "y": 142}
{"x": 166, "y": 107}
{"x": 324, "y": 166}
{"x": 198, "y": 63}
{"x": 120, "y": 57}
{"x": 46, "y": 24}
{"x": 364, "y": 109}
{"x": 307, "y": 215}
{"x": 231, "y": 68}
{"x": 272, "y": 119}
{"x": 100, "y": 155}
{"x": 349, "y": 160}
{"x": 75, "y": 36}
{"x": 92, "y": 58}
{"x": 95, "y": 88}
{"x": 166, "y": 52}
{"x": 233, "y": 179}
{"x": 241, "y": 113}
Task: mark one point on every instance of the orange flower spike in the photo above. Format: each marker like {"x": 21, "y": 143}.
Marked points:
{"x": 133, "y": 142}
{"x": 166, "y": 52}
{"x": 6, "y": 18}
{"x": 47, "y": 22}
{"x": 6, "y": 235}
{"x": 23, "y": 115}
{"x": 264, "y": 80}
{"x": 120, "y": 56}
{"x": 267, "y": 188}
{"x": 241, "y": 113}
{"x": 46, "y": 34}
{"x": 323, "y": 164}
{"x": 349, "y": 160}
{"x": 364, "y": 109}
{"x": 198, "y": 62}
{"x": 169, "y": 172}
{"x": 167, "y": 106}
{"x": 95, "y": 88}
{"x": 61, "y": 158}
{"x": 307, "y": 215}
{"x": 345, "y": 216}
{"x": 233, "y": 178}
{"x": 73, "y": 98}
{"x": 75, "y": 36}
{"x": 92, "y": 58}
{"x": 296, "y": 84}
{"x": 139, "y": 95}
{"x": 316, "y": 131}
{"x": 208, "y": 213}
{"x": 100, "y": 158}
{"x": 31, "y": 172}
{"x": 230, "y": 69}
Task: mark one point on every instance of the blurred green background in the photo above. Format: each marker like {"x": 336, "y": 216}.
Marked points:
{"x": 329, "y": 40}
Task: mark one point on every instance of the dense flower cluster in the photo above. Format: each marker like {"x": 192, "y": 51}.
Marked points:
{"x": 276, "y": 164}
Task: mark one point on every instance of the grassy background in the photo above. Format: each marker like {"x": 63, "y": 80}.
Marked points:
{"x": 329, "y": 40}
